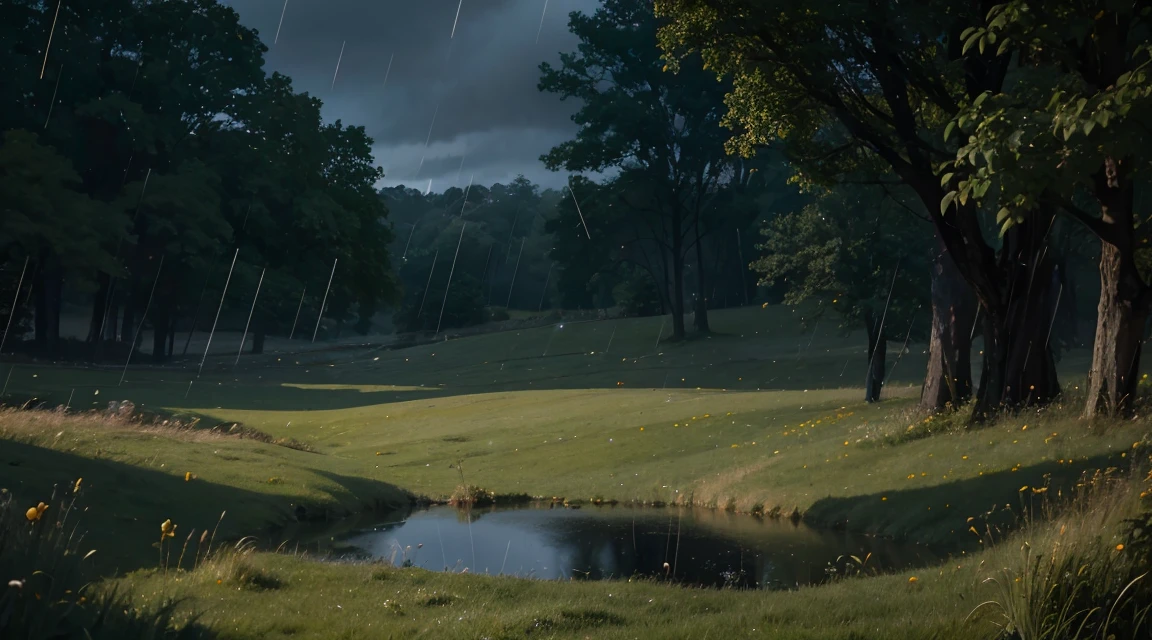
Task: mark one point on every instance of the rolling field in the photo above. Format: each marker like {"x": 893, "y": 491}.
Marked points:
{"x": 760, "y": 417}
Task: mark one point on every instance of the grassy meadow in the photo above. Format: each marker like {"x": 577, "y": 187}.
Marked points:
{"x": 762, "y": 417}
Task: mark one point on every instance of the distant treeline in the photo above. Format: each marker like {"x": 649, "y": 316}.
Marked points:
{"x": 143, "y": 148}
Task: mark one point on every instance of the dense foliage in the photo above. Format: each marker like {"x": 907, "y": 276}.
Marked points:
{"x": 145, "y": 145}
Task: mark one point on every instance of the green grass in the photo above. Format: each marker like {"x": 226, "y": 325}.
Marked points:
{"x": 313, "y": 600}
{"x": 760, "y": 414}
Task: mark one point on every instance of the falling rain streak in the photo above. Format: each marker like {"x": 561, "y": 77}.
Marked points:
{"x": 300, "y": 306}
{"x": 452, "y": 271}
{"x": 211, "y": 333}
{"x": 420, "y": 311}
{"x": 540, "y": 29}
{"x": 388, "y": 71}
{"x": 578, "y": 211}
{"x": 338, "y": 61}
{"x": 276, "y": 40}
{"x": 140, "y": 327}
{"x": 50, "y": 34}
{"x": 244, "y": 336}
{"x": 544, "y": 293}
{"x": 466, "y": 195}
{"x": 52, "y": 105}
{"x": 456, "y": 20}
{"x": 428, "y": 139}
{"x": 514, "y": 272}
{"x": 324, "y": 302}
{"x": 12, "y": 312}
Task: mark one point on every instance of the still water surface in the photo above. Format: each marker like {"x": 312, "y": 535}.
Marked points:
{"x": 701, "y": 547}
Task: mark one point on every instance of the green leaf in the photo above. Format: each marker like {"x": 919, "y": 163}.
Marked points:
{"x": 947, "y": 202}
{"x": 1003, "y": 48}
{"x": 948, "y": 129}
{"x": 1080, "y": 104}
{"x": 981, "y": 98}
{"x": 982, "y": 41}
{"x": 1088, "y": 126}
{"x": 1003, "y": 213}
{"x": 945, "y": 179}
{"x": 1006, "y": 226}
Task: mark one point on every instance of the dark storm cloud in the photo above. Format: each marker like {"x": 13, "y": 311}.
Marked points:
{"x": 480, "y": 84}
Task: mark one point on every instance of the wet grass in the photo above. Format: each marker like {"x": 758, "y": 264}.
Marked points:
{"x": 351, "y": 601}
{"x": 136, "y": 476}
{"x": 759, "y": 418}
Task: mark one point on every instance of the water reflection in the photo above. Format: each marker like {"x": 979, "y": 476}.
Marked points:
{"x": 701, "y": 547}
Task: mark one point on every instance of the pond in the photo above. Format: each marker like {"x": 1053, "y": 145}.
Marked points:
{"x": 700, "y": 546}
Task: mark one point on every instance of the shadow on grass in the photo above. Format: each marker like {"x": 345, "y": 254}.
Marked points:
{"x": 122, "y": 506}
{"x": 994, "y": 499}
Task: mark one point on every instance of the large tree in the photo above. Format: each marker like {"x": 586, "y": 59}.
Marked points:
{"x": 662, "y": 131}
{"x": 1072, "y": 132}
{"x": 876, "y": 81}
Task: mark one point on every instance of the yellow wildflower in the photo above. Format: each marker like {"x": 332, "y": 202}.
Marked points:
{"x": 1119, "y": 547}
{"x": 36, "y": 512}
{"x": 76, "y": 488}
{"x": 167, "y": 529}
{"x": 187, "y": 476}
{"x": 913, "y": 580}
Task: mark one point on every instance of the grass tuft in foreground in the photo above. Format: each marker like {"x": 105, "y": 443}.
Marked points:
{"x": 1081, "y": 574}
{"x": 46, "y": 589}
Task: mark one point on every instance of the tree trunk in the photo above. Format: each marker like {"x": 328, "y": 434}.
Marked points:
{"x": 877, "y": 357}
{"x": 1120, "y": 325}
{"x": 948, "y": 382}
{"x": 160, "y": 328}
{"x": 171, "y": 338}
{"x": 128, "y": 320}
{"x": 112, "y": 314}
{"x": 1018, "y": 368}
{"x": 700, "y": 313}
{"x": 99, "y": 308}
{"x": 677, "y": 300}
{"x": 1122, "y": 313}
{"x": 48, "y": 289}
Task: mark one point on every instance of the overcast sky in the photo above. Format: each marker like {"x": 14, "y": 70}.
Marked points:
{"x": 479, "y": 84}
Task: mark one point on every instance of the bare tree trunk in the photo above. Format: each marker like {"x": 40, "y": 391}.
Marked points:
{"x": 877, "y": 357}
{"x": 677, "y": 301}
{"x": 1120, "y": 323}
{"x": 99, "y": 308}
{"x": 160, "y": 326}
{"x": 948, "y": 382}
{"x": 700, "y": 315}
{"x": 1124, "y": 298}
